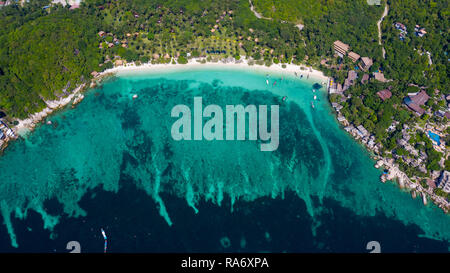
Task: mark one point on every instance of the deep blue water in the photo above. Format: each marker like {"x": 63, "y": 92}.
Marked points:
{"x": 265, "y": 225}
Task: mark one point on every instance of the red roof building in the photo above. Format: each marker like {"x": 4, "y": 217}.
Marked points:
{"x": 341, "y": 48}
{"x": 365, "y": 79}
{"x": 353, "y": 56}
{"x": 414, "y": 102}
{"x": 365, "y": 63}
{"x": 384, "y": 94}
{"x": 421, "y": 98}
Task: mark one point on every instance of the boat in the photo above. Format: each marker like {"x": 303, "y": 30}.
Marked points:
{"x": 315, "y": 97}
{"x": 284, "y": 98}
{"x": 312, "y": 104}
{"x": 104, "y": 234}
{"x": 106, "y": 240}
{"x": 267, "y": 82}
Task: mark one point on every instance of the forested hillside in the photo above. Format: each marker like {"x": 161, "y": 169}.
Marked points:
{"x": 44, "y": 57}
{"x": 44, "y": 52}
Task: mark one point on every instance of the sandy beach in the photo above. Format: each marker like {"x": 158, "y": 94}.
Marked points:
{"x": 243, "y": 63}
{"x": 26, "y": 125}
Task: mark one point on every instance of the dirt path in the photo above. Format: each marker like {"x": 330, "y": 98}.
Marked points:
{"x": 386, "y": 10}
{"x": 256, "y": 13}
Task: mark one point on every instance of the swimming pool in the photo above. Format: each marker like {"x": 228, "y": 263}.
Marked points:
{"x": 435, "y": 137}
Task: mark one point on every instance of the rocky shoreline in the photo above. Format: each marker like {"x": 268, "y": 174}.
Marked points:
{"x": 393, "y": 173}
{"x": 29, "y": 123}
{"x": 24, "y": 126}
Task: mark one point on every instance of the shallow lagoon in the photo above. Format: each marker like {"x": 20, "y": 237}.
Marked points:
{"x": 112, "y": 163}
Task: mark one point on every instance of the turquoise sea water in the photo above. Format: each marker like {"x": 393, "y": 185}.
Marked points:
{"x": 110, "y": 139}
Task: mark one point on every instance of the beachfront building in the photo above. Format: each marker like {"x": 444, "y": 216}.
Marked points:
{"x": 336, "y": 106}
{"x": 415, "y": 101}
{"x": 335, "y": 87}
{"x": 340, "y": 48}
{"x": 342, "y": 120}
{"x": 365, "y": 63}
{"x": 118, "y": 63}
{"x": 353, "y": 56}
{"x": 362, "y": 131}
{"x": 443, "y": 181}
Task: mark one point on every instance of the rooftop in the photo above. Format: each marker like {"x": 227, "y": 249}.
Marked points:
{"x": 413, "y": 106}
{"x": 379, "y": 76}
{"x": 352, "y": 75}
{"x": 354, "y": 56}
{"x": 367, "y": 61}
{"x": 365, "y": 78}
{"x": 384, "y": 94}
{"x": 421, "y": 98}
{"x": 341, "y": 45}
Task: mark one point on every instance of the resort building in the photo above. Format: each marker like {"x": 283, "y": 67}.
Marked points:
{"x": 353, "y": 56}
{"x": 343, "y": 120}
{"x": 384, "y": 94}
{"x": 335, "y": 87}
{"x": 401, "y": 27}
{"x": 341, "y": 48}
{"x": 365, "y": 78}
{"x": 444, "y": 181}
{"x": 352, "y": 76}
{"x": 415, "y": 101}
{"x": 362, "y": 131}
{"x": 379, "y": 76}
{"x": 419, "y": 31}
{"x": 374, "y": 2}
{"x": 365, "y": 63}
{"x": 336, "y": 106}
{"x": 74, "y": 6}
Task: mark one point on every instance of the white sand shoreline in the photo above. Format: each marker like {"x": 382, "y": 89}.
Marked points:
{"x": 26, "y": 125}
{"x": 243, "y": 63}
